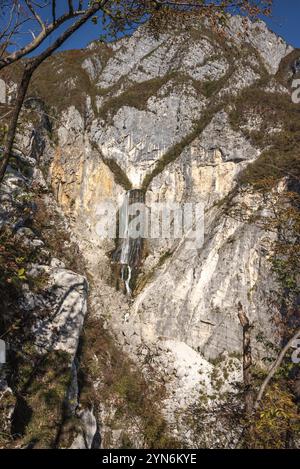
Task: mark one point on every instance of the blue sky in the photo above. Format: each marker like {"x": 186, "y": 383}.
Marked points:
{"x": 285, "y": 21}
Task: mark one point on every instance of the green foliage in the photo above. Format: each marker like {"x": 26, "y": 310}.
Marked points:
{"x": 284, "y": 75}
{"x": 120, "y": 176}
{"x": 42, "y": 383}
{"x": 12, "y": 265}
{"x": 286, "y": 277}
{"x": 276, "y": 132}
{"x": 136, "y": 96}
{"x": 66, "y": 70}
{"x": 122, "y": 386}
{"x": 22, "y": 274}
{"x": 7, "y": 403}
{"x": 280, "y": 156}
{"x": 277, "y": 422}
{"x": 49, "y": 225}
{"x": 3, "y": 132}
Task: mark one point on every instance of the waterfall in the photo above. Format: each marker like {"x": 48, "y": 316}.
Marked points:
{"x": 127, "y": 278}
{"x": 125, "y": 246}
{"x": 128, "y": 254}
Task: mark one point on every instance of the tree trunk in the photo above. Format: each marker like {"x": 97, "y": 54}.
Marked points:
{"x": 30, "y": 67}
{"x": 22, "y": 90}
{"x": 247, "y": 360}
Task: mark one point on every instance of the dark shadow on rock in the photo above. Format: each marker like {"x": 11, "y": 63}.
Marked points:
{"x": 21, "y": 417}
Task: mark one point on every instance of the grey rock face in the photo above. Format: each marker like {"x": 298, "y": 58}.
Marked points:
{"x": 195, "y": 297}
{"x": 66, "y": 297}
{"x": 50, "y": 299}
{"x": 271, "y": 47}
{"x": 163, "y": 118}
{"x": 158, "y": 118}
{"x": 61, "y": 329}
{"x": 89, "y": 438}
{"x": 219, "y": 135}
{"x": 2, "y": 92}
{"x": 137, "y": 139}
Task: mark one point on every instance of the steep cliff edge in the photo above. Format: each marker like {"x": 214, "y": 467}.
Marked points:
{"x": 182, "y": 118}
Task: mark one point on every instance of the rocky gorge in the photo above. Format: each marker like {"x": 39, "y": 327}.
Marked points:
{"x": 144, "y": 349}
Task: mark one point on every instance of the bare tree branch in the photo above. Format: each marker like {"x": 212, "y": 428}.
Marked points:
{"x": 71, "y": 7}
{"x": 36, "y": 15}
{"x": 22, "y": 52}
{"x": 30, "y": 67}
{"x": 274, "y": 368}
{"x": 54, "y": 11}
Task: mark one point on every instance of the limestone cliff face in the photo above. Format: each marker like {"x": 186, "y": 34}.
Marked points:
{"x": 158, "y": 116}
{"x": 162, "y": 115}
{"x": 43, "y": 299}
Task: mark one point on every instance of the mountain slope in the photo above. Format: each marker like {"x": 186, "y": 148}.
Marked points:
{"x": 186, "y": 117}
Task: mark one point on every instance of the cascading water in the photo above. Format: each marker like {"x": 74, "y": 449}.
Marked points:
{"x": 125, "y": 245}
{"x": 126, "y": 277}
{"x": 124, "y": 236}
{"x": 128, "y": 254}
